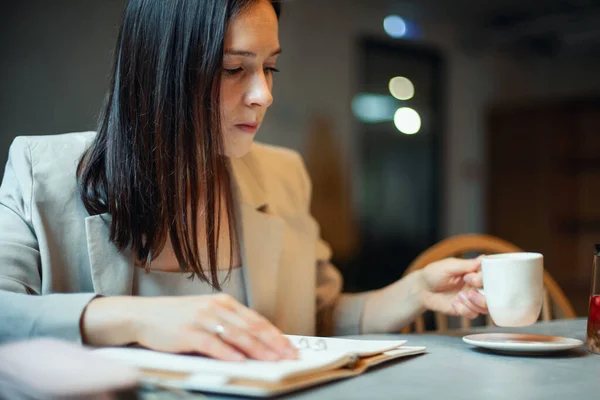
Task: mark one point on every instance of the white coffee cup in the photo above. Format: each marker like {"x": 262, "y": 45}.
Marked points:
{"x": 513, "y": 284}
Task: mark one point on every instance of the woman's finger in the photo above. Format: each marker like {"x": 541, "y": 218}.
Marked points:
{"x": 263, "y": 331}
{"x": 246, "y": 342}
{"x": 460, "y": 266}
{"x": 477, "y": 299}
{"x": 255, "y": 324}
{"x": 463, "y": 298}
{"x": 474, "y": 279}
{"x": 207, "y": 344}
{"x": 462, "y": 310}
{"x": 455, "y": 281}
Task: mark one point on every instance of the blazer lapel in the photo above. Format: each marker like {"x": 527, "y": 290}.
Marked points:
{"x": 261, "y": 243}
{"x": 112, "y": 271}
{"x": 261, "y": 238}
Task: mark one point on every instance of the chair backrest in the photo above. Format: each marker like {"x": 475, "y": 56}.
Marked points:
{"x": 463, "y": 245}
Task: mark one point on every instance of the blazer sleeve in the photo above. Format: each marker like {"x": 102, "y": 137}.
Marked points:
{"x": 338, "y": 313}
{"x": 24, "y": 311}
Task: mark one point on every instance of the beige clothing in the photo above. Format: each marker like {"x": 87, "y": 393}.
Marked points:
{"x": 161, "y": 283}
{"x": 55, "y": 257}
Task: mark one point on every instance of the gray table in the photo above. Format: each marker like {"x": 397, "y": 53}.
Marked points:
{"x": 454, "y": 370}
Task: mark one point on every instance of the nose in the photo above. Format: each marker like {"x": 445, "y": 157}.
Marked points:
{"x": 259, "y": 91}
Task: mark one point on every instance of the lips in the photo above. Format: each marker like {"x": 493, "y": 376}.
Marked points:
{"x": 248, "y": 127}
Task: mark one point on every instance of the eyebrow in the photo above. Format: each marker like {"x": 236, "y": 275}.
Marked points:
{"x": 243, "y": 53}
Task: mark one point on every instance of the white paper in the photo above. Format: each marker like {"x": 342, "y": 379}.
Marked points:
{"x": 338, "y": 352}
{"x": 362, "y": 348}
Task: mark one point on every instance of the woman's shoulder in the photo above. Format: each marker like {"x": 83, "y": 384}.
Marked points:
{"x": 273, "y": 154}
{"x": 278, "y": 163}
{"x": 282, "y": 173}
{"x": 47, "y": 164}
{"x": 64, "y": 144}
{"x": 52, "y": 150}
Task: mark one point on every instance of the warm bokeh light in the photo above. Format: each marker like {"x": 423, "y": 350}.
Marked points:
{"x": 402, "y": 88}
{"x": 407, "y": 120}
{"x": 394, "y": 26}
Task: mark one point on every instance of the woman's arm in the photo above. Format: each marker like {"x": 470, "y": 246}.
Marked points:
{"x": 24, "y": 313}
{"x": 384, "y": 310}
{"x": 215, "y": 325}
{"x": 391, "y": 308}
{"x": 441, "y": 286}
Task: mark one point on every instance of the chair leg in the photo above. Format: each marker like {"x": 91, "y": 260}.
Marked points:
{"x": 420, "y": 324}
{"x": 546, "y": 309}
{"x": 465, "y": 323}
{"x": 441, "y": 322}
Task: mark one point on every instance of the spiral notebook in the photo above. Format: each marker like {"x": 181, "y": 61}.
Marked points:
{"x": 320, "y": 360}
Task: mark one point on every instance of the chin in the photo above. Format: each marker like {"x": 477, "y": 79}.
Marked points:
{"x": 238, "y": 150}
{"x": 237, "y": 146}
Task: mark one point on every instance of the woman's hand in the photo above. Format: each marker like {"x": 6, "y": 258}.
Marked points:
{"x": 216, "y": 325}
{"x": 451, "y": 287}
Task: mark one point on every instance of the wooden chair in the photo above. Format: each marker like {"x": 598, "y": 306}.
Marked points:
{"x": 463, "y": 245}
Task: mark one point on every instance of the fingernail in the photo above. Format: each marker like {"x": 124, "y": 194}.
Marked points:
{"x": 238, "y": 357}
{"x": 462, "y": 296}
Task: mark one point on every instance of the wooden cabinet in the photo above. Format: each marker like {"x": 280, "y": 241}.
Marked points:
{"x": 543, "y": 186}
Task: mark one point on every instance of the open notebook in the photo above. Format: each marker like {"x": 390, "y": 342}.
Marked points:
{"x": 321, "y": 360}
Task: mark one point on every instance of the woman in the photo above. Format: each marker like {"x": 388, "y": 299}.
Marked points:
{"x": 103, "y": 231}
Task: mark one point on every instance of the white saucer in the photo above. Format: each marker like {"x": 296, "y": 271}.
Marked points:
{"x": 521, "y": 343}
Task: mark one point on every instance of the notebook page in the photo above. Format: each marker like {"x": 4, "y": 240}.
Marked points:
{"x": 313, "y": 357}
{"x": 308, "y": 362}
{"x": 362, "y": 348}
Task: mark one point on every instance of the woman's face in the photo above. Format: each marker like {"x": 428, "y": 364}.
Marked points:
{"x": 251, "y": 52}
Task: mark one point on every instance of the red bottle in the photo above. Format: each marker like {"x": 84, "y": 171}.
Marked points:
{"x": 593, "y": 326}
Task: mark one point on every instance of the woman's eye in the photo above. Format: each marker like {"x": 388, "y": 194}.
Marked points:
{"x": 234, "y": 71}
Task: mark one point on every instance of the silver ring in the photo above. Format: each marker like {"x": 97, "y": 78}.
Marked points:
{"x": 219, "y": 330}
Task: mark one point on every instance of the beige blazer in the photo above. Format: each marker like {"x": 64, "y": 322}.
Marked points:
{"x": 55, "y": 257}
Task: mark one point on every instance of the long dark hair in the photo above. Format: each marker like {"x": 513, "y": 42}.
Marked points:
{"x": 158, "y": 157}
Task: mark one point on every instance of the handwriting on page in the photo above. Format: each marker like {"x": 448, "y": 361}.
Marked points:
{"x": 342, "y": 345}
{"x": 317, "y": 344}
